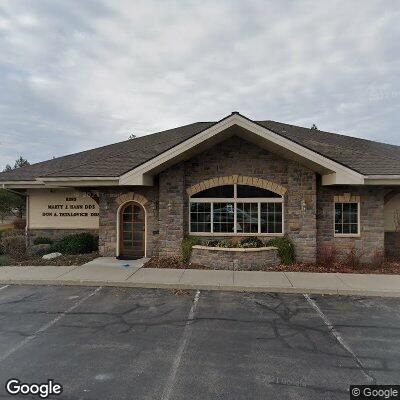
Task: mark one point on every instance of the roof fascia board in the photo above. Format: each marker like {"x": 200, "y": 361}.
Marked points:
{"x": 62, "y": 182}
{"x": 338, "y": 178}
{"x": 129, "y": 176}
{"x": 79, "y": 181}
{"x": 382, "y": 180}
{"x": 20, "y": 185}
{"x": 77, "y": 178}
{"x": 298, "y": 149}
{"x": 138, "y": 180}
{"x": 236, "y": 119}
{"x": 4, "y": 183}
{"x": 388, "y": 177}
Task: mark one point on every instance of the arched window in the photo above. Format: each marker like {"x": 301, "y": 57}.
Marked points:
{"x": 236, "y": 210}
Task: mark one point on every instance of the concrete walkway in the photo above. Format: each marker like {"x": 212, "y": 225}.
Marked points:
{"x": 111, "y": 272}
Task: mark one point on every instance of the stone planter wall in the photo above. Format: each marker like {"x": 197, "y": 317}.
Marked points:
{"x": 235, "y": 258}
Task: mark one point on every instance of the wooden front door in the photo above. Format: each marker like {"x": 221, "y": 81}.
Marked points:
{"x": 132, "y": 231}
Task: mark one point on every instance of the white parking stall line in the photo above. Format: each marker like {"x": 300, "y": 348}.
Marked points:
{"x": 181, "y": 350}
{"x": 338, "y": 337}
{"x": 45, "y": 327}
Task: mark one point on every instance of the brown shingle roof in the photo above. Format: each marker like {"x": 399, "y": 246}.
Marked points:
{"x": 111, "y": 160}
{"x": 364, "y": 156}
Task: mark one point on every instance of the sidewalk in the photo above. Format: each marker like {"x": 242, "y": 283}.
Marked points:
{"x": 113, "y": 273}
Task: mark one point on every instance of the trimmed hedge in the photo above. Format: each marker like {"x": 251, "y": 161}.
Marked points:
{"x": 42, "y": 240}
{"x": 77, "y": 243}
{"x": 285, "y": 249}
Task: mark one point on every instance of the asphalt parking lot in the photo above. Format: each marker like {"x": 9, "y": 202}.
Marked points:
{"x": 110, "y": 343}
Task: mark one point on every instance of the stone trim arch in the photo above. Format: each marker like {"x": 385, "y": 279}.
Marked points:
{"x": 232, "y": 179}
{"x": 123, "y": 198}
{"x": 347, "y": 198}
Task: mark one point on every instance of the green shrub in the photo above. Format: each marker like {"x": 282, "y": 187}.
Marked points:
{"x": 3, "y": 260}
{"x": 186, "y": 247}
{"x": 285, "y": 249}
{"x": 226, "y": 244}
{"x": 211, "y": 243}
{"x": 77, "y": 243}
{"x": 42, "y": 240}
{"x": 251, "y": 241}
{"x": 14, "y": 246}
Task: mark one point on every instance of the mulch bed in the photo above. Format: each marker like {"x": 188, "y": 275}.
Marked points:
{"x": 390, "y": 267}
{"x": 67, "y": 259}
{"x": 171, "y": 262}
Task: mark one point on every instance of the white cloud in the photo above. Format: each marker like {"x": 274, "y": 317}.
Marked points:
{"x": 73, "y": 77}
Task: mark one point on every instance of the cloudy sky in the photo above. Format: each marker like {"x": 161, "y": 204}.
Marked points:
{"x": 76, "y": 74}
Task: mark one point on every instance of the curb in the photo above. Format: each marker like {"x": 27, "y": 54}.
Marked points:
{"x": 231, "y": 288}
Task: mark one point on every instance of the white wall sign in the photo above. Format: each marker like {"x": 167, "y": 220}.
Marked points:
{"x": 62, "y": 209}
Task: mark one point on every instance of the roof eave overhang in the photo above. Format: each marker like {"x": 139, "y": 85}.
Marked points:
{"x": 46, "y": 182}
{"x": 332, "y": 172}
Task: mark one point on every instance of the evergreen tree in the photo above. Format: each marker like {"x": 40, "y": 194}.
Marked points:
{"x": 12, "y": 204}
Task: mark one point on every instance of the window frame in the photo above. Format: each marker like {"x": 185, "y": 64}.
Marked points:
{"x": 235, "y": 200}
{"x": 346, "y": 235}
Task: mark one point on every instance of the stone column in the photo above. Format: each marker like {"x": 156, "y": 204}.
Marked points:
{"x": 107, "y": 224}
{"x": 300, "y": 203}
{"x": 171, "y": 210}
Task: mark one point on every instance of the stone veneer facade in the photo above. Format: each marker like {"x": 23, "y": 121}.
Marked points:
{"x": 235, "y": 156}
{"x": 371, "y": 240}
{"x": 110, "y": 201}
{"x": 308, "y": 206}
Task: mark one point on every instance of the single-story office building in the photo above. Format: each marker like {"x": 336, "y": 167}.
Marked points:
{"x": 234, "y": 177}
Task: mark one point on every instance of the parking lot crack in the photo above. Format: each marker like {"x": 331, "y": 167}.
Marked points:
{"x": 47, "y": 326}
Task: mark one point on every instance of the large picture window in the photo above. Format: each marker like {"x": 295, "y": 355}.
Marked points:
{"x": 236, "y": 210}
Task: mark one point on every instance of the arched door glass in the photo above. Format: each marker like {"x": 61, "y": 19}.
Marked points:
{"x": 132, "y": 231}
